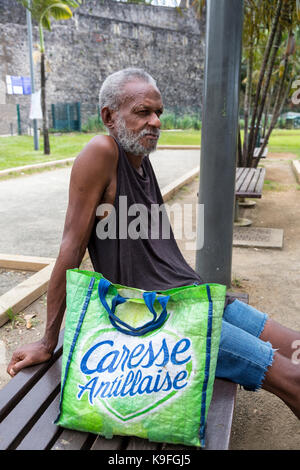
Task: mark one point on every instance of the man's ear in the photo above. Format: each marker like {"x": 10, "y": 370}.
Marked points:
{"x": 108, "y": 117}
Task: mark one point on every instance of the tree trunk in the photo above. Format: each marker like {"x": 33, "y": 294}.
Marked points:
{"x": 44, "y": 107}
{"x": 239, "y": 149}
{"x": 278, "y": 105}
{"x": 43, "y": 93}
{"x": 247, "y": 100}
{"x": 266, "y": 88}
{"x": 251, "y": 141}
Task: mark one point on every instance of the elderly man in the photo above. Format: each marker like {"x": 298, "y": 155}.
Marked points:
{"x": 255, "y": 351}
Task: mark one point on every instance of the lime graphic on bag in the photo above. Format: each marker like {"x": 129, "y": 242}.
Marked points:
{"x": 139, "y": 363}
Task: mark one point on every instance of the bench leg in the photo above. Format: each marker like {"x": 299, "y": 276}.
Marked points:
{"x": 238, "y": 221}
{"x": 246, "y": 203}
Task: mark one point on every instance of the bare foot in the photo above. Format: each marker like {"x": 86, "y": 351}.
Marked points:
{"x": 283, "y": 380}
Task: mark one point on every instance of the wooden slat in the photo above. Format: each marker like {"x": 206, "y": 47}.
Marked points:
{"x": 135, "y": 443}
{"x": 44, "y": 431}
{"x": 242, "y": 296}
{"x": 249, "y": 175}
{"x": 257, "y": 150}
{"x": 260, "y": 182}
{"x": 220, "y": 415}
{"x": 19, "y": 385}
{"x": 254, "y": 187}
{"x": 20, "y": 420}
{"x": 116, "y": 443}
{"x": 167, "y": 447}
{"x": 241, "y": 174}
{"x": 72, "y": 440}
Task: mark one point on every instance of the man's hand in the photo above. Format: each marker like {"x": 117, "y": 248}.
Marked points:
{"x": 28, "y": 355}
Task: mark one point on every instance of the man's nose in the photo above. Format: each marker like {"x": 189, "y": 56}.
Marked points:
{"x": 154, "y": 121}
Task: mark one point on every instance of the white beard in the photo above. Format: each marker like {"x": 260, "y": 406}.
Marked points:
{"x": 130, "y": 140}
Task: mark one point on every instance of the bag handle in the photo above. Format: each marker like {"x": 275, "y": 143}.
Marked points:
{"x": 149, "y": 299}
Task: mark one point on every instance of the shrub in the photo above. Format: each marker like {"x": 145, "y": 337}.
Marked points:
{"x": 93, "y": 124}
{"x": 170, "y": 120}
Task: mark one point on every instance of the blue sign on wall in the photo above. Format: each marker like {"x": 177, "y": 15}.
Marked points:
{"x": 18, "y": 85}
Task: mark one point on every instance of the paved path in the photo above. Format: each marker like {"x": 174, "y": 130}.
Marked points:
{"x": 32, "y": 207}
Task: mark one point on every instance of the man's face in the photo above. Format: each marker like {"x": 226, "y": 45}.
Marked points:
{"x": 137, "y": 124}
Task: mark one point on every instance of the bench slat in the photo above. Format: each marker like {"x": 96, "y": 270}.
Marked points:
{"x": 241, "y": 174}
{"x": 19, "y": 385}
{"x": 44, "y": 431}
{"x": 257, "y": 150}
{"x": 220, "y": 414}
{"x": 249, "y": 175}
{"x": 116, "y": 443}
{"x": 260, "y": 182}
{"x": 135, "y": 443}
{"x": 20, "y": 420}
{"x": 71, "y": 440}
{"x": 254, "y": 186}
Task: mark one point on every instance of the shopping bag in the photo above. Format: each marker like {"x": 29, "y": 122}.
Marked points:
{"x": 139, "y": 363}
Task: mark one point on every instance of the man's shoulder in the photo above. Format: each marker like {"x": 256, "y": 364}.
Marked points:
{"x": 99, "y": 153}
{"x": 96, "y": 162}
{"x": 102, "y": 147}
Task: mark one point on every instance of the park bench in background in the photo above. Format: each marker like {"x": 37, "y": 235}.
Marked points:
{"x": 248, "y": 184}
{"x": 257, "y": 150}
{"x": 29, "y": 405}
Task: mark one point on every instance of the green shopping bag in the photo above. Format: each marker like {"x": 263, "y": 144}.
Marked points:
{"x": 139, "y": 363}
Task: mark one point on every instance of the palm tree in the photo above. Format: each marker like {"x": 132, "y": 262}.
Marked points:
{"x": 42, "y": 11}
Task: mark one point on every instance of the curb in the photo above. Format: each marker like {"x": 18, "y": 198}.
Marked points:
{"x": 296, "y": 169}
{"x": 20, "y": 169}
{"x": 169, "y": 190}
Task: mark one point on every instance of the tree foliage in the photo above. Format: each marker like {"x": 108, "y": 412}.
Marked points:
{"x": 271, "y": 36}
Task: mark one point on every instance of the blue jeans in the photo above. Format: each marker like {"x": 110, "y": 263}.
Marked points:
{"x": 243, "y": 357}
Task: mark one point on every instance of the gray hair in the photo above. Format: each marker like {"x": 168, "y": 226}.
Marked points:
{"x": 112, "y": 89}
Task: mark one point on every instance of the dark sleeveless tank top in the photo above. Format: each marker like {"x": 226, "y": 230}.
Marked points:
{"x": 145, "y": 263}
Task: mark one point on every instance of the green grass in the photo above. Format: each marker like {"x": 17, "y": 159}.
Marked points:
{"x": 19, "y": 150}
{"x": 284, "y": 141}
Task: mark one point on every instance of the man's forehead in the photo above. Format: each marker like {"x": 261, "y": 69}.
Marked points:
{"x": 137, "y": 92}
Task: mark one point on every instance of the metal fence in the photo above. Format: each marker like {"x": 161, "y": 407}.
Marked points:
{"x": 85, "y": 117}
{"x": 66, "y": 116}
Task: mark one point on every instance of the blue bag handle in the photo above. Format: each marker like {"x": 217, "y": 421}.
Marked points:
{"x": 149, "y": 299}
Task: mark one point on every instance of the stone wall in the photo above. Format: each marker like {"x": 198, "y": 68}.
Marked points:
{"x": 104, "y": 36}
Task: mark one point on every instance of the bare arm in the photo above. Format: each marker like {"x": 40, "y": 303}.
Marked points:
{"x": 91, "y": 174}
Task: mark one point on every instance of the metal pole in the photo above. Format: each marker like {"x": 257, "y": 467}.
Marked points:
{"x": 224, "y": 24}
{"x": 29, "y": 33}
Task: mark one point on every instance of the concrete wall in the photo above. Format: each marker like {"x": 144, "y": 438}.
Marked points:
{"x": 102, "y": 37}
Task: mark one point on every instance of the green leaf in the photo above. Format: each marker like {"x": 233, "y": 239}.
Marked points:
{"x": 46, "y": 22}
{"x": 60, "y": 12}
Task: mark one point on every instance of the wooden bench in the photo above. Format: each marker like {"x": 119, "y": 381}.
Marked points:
{"x": 248, "y": 184}
{"x": 257, "y": 150}
{"x": 29, "y": 405}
